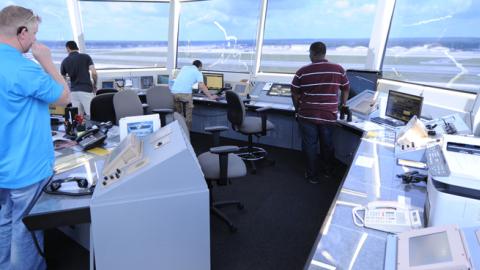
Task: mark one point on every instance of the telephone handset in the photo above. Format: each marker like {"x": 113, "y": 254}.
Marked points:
{"x": 91, "y": 138}
{"x": 388, "y": 216}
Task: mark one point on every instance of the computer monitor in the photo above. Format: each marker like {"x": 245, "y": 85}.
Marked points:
{"x": 214, "y": 81}
{"x": 107, "y": 84}
{"x": 402, "y": 106}
{"x": 146, "y": 82}
{"x": 361, "y": 80}
{"x": 162, "y": 79}
{"x": 278, "y": 89}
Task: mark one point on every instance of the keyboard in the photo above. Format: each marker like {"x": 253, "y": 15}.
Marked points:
{"x": 437, "y": 165}
{"x": 384, "y": 121}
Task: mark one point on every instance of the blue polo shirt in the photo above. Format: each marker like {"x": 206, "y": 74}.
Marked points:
{"x": 185, "y": 79}
{"x": 26, "y": 148}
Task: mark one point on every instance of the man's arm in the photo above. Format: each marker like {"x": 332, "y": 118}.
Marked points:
{"x": 294, "y": 90}
{"x": 204, "y": 89}
{"x": 345, "y": 89}
{"x": 94, "y": 77}
{"x": 43, "y": 55}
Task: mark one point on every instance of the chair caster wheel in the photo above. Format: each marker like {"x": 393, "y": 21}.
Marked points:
{"x": 240, "y": 206}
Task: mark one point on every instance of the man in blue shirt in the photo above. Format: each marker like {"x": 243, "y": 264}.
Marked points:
{"x": 26, "y": 149}
{"x": 182, "y": 89}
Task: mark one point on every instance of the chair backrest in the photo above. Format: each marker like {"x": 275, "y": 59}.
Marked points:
{"x": 127, "y": 103}
{"x": 183, "y": 124}
{"x": 106, "y": 90}
{"x": 235, "y": 107}
{"x": 101, "y": 108}
{"x": 160, "y": 97}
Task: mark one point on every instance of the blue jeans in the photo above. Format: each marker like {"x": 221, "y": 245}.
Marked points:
{"x": 17, "y": 249}
{"x": 312, "y": 134}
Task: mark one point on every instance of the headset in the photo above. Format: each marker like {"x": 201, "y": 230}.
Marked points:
{"x": 53, "y": 187}
{"x": 20, "y": 29}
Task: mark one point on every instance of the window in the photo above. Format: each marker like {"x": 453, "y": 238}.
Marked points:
{"x": 220, "y": 33}
{"x": 291, "y": 26}
{"x": 126, "y": 34}
{"x": 435, "y": 43}
{"x": 55, "y": 28}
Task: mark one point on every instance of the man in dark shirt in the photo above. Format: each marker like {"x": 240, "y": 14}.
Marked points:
{"x": 315, "y": 97}
{"x": 77, "y": 67}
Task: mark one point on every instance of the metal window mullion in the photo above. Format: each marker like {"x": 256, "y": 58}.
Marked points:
{"x": 379, "y": 36}
{"x": 76, "y": 23}
{"x": 260, "y": 34}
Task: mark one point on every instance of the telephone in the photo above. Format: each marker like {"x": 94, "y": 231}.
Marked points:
{"x": 388, "y": 216}
{"x": 91, "y": 138}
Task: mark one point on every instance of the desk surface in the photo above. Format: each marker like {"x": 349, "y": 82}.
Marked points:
{"x": 340, "y": 243}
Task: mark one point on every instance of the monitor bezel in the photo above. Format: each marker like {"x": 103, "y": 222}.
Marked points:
{"x": 406, "y": 94}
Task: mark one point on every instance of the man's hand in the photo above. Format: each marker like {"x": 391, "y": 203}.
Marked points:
{"x": 41, "y": 53}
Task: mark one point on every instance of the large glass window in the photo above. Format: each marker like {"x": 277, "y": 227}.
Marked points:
{"x": 126, "y": 34}
{"x": 55, "y": 28}
{"x": 436, "y": 43}
{"x": 220, "y": 33}
{"x": 291, "y": 26}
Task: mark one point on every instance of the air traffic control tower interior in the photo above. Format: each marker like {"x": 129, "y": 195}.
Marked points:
{"x": 404, "y": 191}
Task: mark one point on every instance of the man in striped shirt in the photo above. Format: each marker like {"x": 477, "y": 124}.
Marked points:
{"x": 315, "y": 97}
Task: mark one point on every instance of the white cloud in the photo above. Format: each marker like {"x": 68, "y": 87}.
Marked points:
{"x": 342, "y": 4}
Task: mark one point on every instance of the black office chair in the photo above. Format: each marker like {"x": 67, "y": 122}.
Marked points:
{"x": 250, "y": 126}
{"x": 160, "y": 100}
{"x": 219, "y": 165}
{"x": 101, "y": 108}
{"x": 126, "y": 103}
{"x": 106, "y": 90}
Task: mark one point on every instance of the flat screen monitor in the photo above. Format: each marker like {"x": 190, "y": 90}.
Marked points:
{"x": 162, "y": 79}
{"x": 146, "y": 82}
{"x": 402, "y": 106}
{"x": 278, "y": 89}
{"x": 107, "y": 84}
{"x": 214, "y": 81}
{"x": 361, "y": 80}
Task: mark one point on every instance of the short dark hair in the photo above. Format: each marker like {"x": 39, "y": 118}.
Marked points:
{"x": 318, "y": 48}
{"x": 197, "y": 63}
{"x": 72, "y": 45}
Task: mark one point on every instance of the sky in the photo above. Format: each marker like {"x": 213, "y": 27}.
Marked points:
{"x": 237, "y": 19}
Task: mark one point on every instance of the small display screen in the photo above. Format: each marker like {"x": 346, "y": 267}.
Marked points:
{"x": 214, "y": 81}
{"x": 146, "y": 82}
{"x": 429, "y": 249}
{"x": 278, "y": 89}
{"x": 107, "y": 84}
{"x": 402, "y": 106}
{"x": 162, "y": 79}
{"x": 140, "y": 128}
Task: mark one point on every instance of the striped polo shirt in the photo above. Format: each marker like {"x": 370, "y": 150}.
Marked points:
{"x": 316, "y": 85}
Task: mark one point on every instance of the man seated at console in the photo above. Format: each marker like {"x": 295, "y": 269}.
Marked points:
{"x": 182, "y": 89}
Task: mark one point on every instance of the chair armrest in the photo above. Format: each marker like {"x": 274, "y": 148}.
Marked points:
{"x": 162, "y": 110}
{"x": 262, "y": 109}
{"x": 226, "y": 149}
{"x": 215, "y": 129}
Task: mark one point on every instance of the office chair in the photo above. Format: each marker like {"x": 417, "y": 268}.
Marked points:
{"x": 250, "y": 126}
{"x": 106, "y": 90}
{"x": 126, "y": 103}
{"x": 219, "y": 165}
{"x": 101, "y": 108}
{"x": 160, "y": 100}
